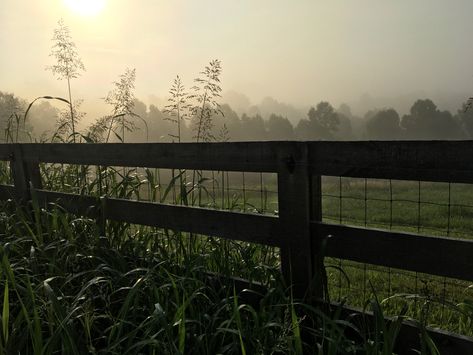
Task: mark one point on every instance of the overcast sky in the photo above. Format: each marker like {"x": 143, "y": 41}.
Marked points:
{"x": 299, "y": 51}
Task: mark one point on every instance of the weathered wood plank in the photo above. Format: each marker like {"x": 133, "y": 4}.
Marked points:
{"x": 294, "y": 203}
{"x": 404, "y": 160}
{"x": 432, "y": 255}
{"x": 245, "y": 156}
{"x": 447, "y": 161}
{"x": 315, "y": 214}
{"x": 231, "y": 225}
{"x": 19, "y": 173}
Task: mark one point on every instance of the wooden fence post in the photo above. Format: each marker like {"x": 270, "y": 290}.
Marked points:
{"x": 24, "y": 173}
{"x": 319, "y": 277}
{"x": 296, "y": 208}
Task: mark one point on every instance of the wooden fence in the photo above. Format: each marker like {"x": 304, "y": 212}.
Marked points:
{"x": 298, "y": 230}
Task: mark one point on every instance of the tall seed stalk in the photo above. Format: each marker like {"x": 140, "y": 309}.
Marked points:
{"x": 121, "y": 98}
{"x": 206, "y": 92}
{"x": 178, "y": 111}
{"x": 68, "y": 64}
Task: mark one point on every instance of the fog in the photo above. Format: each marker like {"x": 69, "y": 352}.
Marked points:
{"x": 278, "y": 56}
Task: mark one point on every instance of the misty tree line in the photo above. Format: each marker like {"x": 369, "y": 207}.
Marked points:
{"x": 424, "y": 121}
{"x": 196, "y": 115}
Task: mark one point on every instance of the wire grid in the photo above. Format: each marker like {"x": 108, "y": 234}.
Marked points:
{"x": 423, "y": 207}
{"x": 222, "y": 190}
{"x": 236, "y": 191}
{"x": 442, "y": 209}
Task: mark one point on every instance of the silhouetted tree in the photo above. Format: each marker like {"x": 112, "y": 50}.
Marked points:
{"x": 232, "y": 123}
{"x": 384, "y": 124}
{"x": 140, "y": 133}
{"x": 345, "y": 129}
{"x": 322, "y": 123}
{"x": 425, "y": 121}
{"x": 12, "y": 121}
{"x": 465, "y": 118}
{"x": 253, "y": 127}
{"x": 326, "y": 116}
{"x": 9, "y": 104}
{"x": 279, "y": 128}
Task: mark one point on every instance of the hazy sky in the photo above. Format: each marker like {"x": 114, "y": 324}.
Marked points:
{"x": 299, "y": 51}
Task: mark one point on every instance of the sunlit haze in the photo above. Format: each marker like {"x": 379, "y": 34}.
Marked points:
{"x": 369, "y": 53}
{"x": 86, "y": 7}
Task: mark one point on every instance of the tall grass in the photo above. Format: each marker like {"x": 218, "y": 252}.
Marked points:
{"x": 73, "y": 285}
{"x": 68, "y": 289}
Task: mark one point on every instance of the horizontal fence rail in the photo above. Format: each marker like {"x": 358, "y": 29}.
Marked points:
{"x": 447, "y": 257}
{"x": 298, "y": 229}
{"x": 439, "y": 161}
{"x": 436, "y": 161}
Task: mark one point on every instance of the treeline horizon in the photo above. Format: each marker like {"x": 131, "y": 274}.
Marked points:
{"x": 322, "y": 122}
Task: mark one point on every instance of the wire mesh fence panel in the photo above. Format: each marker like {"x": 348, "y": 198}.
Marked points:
{"x": 436, "y": 209}
{"x": 236, "y": 191}
{"x": 249, "y": 192}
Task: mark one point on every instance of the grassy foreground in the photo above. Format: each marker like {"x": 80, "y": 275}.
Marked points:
{"x": 68, "y": 290}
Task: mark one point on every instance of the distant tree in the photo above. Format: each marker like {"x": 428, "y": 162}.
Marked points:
{"x": 425, "y": 121}
{"x": 160, "y": 125}
{"x": 304, "y": 130}
{"x": 232, "y": 123}
{"x": 465, "y": 118}
{"x": 9, "y": 104}
{"x": 326, "y": 116}
{"x": 345, "y": 109}
{"x": 12, "y": 121}
{"x": 68, "y": 65}
{"x": 345, "y": 129}
{"x": 140, "y": 133}
{"x": 269, "y": 106}
{"x": 238, "y": 101}
{"x": 384, "y": 124}
{"x": 253, "y": 128}
{"x": 322, "y": 123}
{"x": 279, "y": 128}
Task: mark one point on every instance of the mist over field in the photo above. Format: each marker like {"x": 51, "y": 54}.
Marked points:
{"x": 277, "y": 57}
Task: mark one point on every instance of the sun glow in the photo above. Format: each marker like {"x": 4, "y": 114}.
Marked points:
{"x": 88, "y": 8}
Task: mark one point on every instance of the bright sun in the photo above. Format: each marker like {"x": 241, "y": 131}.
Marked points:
{"x": 86, "y": 7}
